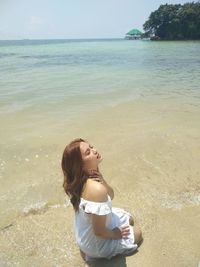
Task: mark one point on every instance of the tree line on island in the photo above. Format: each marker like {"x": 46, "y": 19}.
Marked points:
{"x": 174, "y": 22}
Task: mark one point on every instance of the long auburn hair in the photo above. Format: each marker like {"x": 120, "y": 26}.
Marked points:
{"x": 74, "y": 176}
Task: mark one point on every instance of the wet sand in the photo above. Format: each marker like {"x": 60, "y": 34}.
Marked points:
{"x": 151, "y": 158}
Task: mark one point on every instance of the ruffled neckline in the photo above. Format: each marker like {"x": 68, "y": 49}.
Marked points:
{"x": 85, "y": 200}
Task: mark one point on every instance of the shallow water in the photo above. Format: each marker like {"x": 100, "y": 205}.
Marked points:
{"x": 138, "y": 102}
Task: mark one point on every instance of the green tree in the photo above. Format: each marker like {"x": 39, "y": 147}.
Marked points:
{"x": 171, "y": 22}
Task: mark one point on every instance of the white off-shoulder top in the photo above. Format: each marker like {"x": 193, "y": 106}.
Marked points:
{"x": 97, "y": 247}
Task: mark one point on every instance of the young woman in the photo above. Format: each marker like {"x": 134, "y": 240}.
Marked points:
{"x": 101, "y": 231}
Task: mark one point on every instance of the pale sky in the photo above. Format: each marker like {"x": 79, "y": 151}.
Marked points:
{"x": 74, "y": 19}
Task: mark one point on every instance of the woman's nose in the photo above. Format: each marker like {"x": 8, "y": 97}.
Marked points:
{"x": 94, "y": 150}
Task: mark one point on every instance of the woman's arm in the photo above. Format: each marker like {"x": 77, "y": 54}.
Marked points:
{"x": 100, "y": 230}
{"x": 97, "y": 192}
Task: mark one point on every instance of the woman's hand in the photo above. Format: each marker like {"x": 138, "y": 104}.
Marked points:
{"x": 96, "y": 176}
{"x": 121, "y": 232}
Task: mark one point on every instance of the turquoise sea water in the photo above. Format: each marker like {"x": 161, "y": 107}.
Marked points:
{"x": 59, "y": 78}
{"x": 48, "y": 88}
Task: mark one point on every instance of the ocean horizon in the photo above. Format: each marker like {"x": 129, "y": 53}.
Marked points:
{"x": 28, "y": 41}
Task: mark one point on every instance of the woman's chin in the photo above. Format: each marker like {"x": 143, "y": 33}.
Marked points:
{"x": 100, "y": 159}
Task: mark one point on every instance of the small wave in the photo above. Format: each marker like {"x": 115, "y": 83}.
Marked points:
{"x": 2, "y": 55}
{"x": 42, "y": 207}
{"x": 6, "y": 227}
{"x": 177, "y": 202}
{"x": 57, "y": 206}
{"x": 37, "y": 208}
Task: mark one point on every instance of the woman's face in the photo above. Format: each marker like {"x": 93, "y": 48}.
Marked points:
{"x": 91, "y": 158}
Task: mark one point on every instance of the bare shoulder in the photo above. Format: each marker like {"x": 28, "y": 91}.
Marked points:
{"x": 95, "y": 191}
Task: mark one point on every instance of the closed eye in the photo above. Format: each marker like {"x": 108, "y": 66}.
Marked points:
{"x": 87, "y": 152}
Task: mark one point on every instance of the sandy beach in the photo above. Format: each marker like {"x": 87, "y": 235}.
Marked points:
{"x": 151, "y": 158}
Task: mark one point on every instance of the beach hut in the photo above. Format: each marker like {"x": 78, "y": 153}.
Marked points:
{"x": 134, "y": 34}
